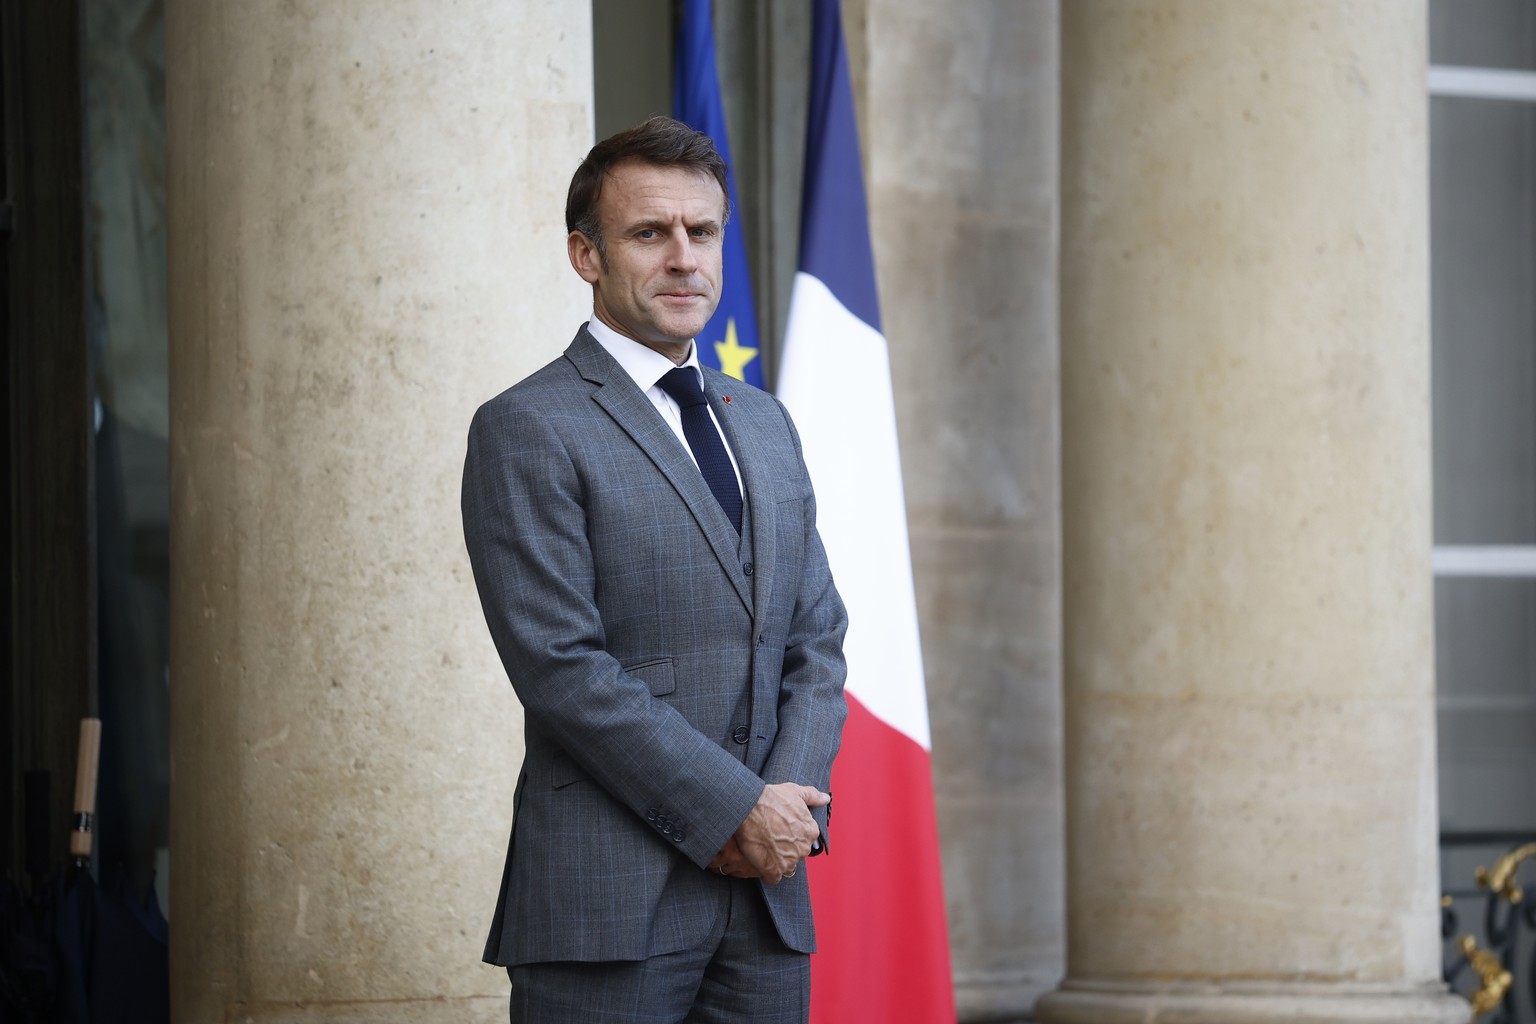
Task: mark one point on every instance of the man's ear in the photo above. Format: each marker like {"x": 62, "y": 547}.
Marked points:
{"x": 585, "y": 258}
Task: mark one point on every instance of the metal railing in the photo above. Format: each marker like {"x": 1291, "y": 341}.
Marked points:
{"x": 1490, "y": 930}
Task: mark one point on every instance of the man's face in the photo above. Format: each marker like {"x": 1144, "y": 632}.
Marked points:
{"x": 662, "y": 228}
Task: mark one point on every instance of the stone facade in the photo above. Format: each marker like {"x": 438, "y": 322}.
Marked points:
{"x": 1170, "y": 545}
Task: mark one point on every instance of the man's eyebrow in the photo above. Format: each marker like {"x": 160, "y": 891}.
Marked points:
{"x": 659, "y": 224}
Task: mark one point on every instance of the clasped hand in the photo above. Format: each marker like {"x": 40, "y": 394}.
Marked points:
{"x": 776, "y": 836}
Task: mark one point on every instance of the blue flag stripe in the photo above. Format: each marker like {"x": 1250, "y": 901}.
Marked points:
{"x": 834, "y": 225}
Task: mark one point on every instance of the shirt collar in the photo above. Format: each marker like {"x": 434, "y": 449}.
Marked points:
{"x": 645, "y": 365}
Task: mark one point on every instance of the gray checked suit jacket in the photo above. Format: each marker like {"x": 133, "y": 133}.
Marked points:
{"x": 665, "y": 674}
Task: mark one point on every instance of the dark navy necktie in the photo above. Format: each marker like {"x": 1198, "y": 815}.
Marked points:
{"x": 708, "y": 449}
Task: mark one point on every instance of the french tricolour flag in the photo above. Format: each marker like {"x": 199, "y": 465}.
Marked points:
{"x": 878, "y": 895}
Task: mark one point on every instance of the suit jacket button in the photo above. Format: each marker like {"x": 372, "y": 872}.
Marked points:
{"x": 666, "y": 828}
{"x": 740, "y": 735}
{"x": 748, "y": 569}
{"x": 650, "y": 815}
{"x": 678, "y": 836}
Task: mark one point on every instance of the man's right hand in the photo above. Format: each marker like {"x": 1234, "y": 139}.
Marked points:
{"x": 778, "y": 832}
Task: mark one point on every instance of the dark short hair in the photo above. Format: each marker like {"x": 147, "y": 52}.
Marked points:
{"x": 661, "y": 141}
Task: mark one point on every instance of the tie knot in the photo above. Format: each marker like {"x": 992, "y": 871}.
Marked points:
{"x": 683, "y": 385}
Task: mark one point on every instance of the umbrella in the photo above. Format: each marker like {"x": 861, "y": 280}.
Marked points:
{"x": 78, "y": 953}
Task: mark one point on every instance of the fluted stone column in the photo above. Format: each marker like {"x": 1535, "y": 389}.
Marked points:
{"x": 1250, "y": 742}
{"x": 959, "y": 109}
{"x": 366, "y": 241}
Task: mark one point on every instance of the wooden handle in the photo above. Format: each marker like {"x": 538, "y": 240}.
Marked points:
{"x": 86, "y": 764}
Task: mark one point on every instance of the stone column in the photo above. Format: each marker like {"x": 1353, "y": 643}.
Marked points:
{"x": 1250, "y": 742}
{"x": 962, "y": 162}
{"x": 366, "y": 241}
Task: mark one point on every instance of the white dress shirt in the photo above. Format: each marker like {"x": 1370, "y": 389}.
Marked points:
{"x": 647, "y": 366}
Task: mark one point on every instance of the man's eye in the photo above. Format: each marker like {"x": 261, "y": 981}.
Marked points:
{"x": 645, "y": 233}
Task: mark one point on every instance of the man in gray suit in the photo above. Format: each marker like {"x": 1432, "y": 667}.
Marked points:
{"x": 643, "y": 537}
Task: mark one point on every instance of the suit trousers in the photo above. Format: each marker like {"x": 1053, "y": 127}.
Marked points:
{"x": 741, "y": 972}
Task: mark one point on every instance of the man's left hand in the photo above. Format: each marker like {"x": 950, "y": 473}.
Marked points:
{"x": 732, "y": 862}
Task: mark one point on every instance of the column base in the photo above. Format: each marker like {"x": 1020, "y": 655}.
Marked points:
{"x": 1108, "y": 1002}
{"x": 446, "y": 1010}
{"x": 1004, "y": 997}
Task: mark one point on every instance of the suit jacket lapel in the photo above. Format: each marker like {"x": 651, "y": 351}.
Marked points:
{"x": 633, "y": 412}
{"x": 764, "y": 530}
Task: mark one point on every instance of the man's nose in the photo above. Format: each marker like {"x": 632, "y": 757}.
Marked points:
{"x": 680, "y": 254}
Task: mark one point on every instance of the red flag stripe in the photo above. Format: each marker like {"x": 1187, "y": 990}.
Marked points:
{"x": 878, "y": 893}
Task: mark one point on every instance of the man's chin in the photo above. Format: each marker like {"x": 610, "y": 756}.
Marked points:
{"x": 683, "y": 321}
{"x": 684, "y": 331}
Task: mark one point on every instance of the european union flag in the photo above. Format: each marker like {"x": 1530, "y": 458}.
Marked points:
{"x": 729, "y": 340}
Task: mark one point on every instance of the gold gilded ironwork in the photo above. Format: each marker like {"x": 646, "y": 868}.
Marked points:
{"x": 1495, "y": 979}
{"x": 1502, "y": 878}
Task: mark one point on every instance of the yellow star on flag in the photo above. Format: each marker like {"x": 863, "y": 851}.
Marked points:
{"x": 732, "y": 355}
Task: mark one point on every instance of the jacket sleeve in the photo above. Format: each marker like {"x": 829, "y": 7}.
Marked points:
{"x": 525, "y": 529}
{"x": 812, "y": 707}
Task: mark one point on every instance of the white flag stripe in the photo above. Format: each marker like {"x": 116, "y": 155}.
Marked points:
{"x": 835, "y": 378}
